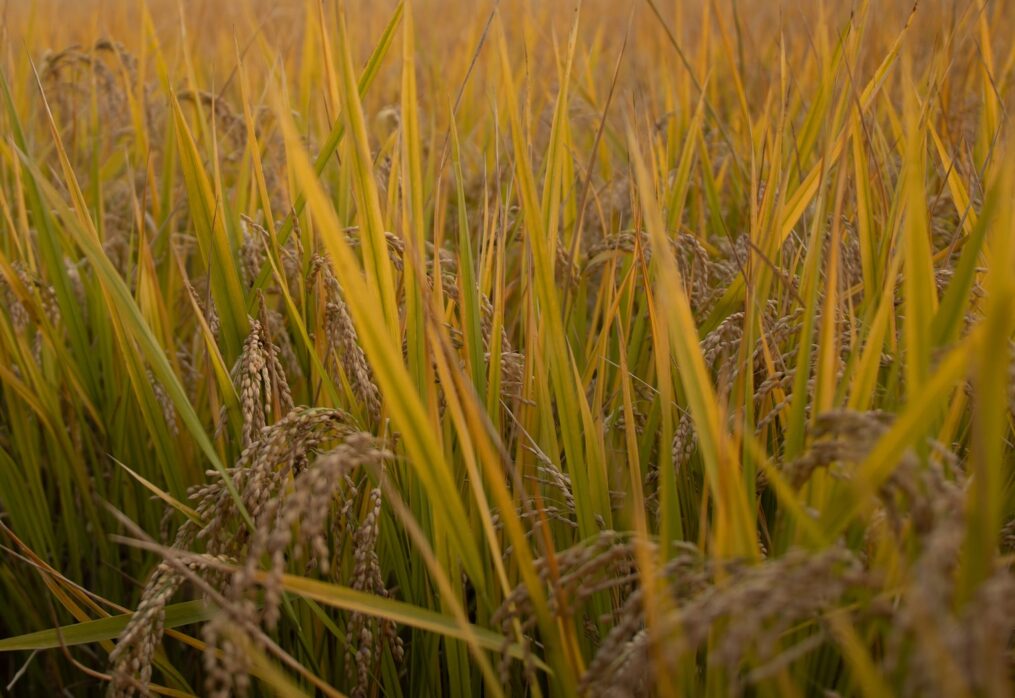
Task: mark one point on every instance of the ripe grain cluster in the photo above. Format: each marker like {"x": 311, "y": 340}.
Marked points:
{"x": 454, "y": 347}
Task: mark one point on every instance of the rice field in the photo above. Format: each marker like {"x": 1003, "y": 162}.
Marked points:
{"x": 509, "y": 348}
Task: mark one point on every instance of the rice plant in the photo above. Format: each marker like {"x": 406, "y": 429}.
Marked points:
{"x": 517, "y": 348}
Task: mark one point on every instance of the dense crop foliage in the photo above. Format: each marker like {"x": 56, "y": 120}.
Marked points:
{"x": 520, "y": 348}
